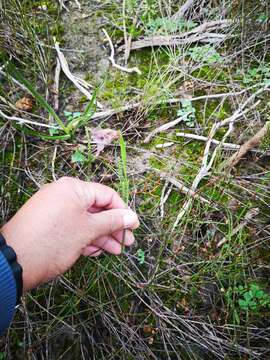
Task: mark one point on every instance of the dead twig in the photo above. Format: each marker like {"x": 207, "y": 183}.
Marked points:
{"x": 164, "y": 197}
{"x": 227, "y": 146}
{"x": 179, "y": 185}
{"x": 249, "y": 145}
{"x": 56, "y": 85}
{"x": 132, "y": 106}
{"x": 202, "y": 33}
{"x": 80, "y": 84}
{"x": 26, "y": 121}
{"x": 248, "y": 217}
{"x": 112, "y": 60}
{"x": 183, "y": 9}
{"x": 165, "y": 145}
{"x": 161, "y": 128}
{"x": 129, "y": 107}
{"x": 56, "y": 89}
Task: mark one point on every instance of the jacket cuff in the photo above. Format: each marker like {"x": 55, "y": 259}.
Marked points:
{"x": 8, "y": 294}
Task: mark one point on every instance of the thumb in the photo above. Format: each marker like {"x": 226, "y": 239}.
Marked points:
{"x": 109, "y": 221}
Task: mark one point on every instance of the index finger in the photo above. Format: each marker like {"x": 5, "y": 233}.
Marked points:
{"x": 104, "y": 197}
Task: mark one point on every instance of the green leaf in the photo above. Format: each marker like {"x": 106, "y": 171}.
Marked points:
{"x": 141, "y": 256}
{"x": 243, "y": 304}
{"x": 81, "y": 119}
{"x": 53, "y": 131}
{"x": 78, "y": 157}
{"x": 259, "y": 294}
{"x": 248, "y": 296}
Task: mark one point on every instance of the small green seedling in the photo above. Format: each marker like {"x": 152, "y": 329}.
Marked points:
{"x": 253, "y": 298}
{"x": 166, "y": 25}
{"x": 206, "y": 54}
{"x": 78, "y": 157}
{"x": 187, "y": 112}
{"x": 248, "y": 298}
{"x": 256, "y": 74}
{"x": 141, "y": 256}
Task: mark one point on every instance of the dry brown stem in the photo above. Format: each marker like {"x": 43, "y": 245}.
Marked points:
{"x": 249, "y": 145}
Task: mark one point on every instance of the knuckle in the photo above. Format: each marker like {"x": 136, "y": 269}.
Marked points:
{"x": 65, "y": 180}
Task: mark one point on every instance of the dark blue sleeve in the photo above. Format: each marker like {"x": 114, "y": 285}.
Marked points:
{"x": 8, "y": 294}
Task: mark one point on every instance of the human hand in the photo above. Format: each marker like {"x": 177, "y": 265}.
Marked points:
{"x": 64, "y": 220}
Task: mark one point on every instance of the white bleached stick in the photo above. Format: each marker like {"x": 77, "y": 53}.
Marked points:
{"x": 228, "y": 146}
{"x": 112, "y": 60}
{"x": 79, "y": 83}
{"x": 26, "y": 121}
{"x": 161, "y": 128}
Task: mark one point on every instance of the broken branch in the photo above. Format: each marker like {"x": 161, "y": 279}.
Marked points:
{"x": 79, "y": 83}
{"x": 112, "y": 60}
{"x": 228, "y": 146}
{"x": 161, "y": 128}
{"x": 249, "y": 145}
{"x": 199, "y": 34}
{"x": 183, "y": 9}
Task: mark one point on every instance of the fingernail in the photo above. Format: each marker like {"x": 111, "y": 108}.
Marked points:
{"x": 130, "y": 219}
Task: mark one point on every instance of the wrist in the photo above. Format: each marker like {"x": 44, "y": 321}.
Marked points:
{"x": 11, "y": 258}
{"x": 15, "y": 243}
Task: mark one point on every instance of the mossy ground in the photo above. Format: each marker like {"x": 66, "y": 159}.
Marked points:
{"x": 182, "y": 302}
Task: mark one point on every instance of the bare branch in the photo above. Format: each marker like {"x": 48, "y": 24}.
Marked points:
{"x": 161, "y": 128}
{"x": 249, "y": 145}
{"x": 26, "y": 121}
{"x": 112, "y": 60}
{"x": 199, "y": 34}
{"x": 228, "y": 146}
{"x": 80, "y": 84}
{"x": 183, "y": 9}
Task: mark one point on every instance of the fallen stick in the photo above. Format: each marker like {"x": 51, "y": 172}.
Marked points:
{"x": 56, "y": 89}
{"x": 248, "y": 217}
{"x": 161, "y": 128}
{"x": 175, "y": 40}
{"x": 26, "y": 121}
{"x": 79, "y": 83}
{"x": 249, "y": 145}
{"x": 128, "y": 107}
{"x": 164, "y": 197}
{"x": 183, "y": 9}
{"x": 165, "y": 145}
{"x": 179, "y": 185}
{"x": 56, "y": 85}
{"x": 198, "y": 34}
{"x": 228, "y": 146}
{"x": 112, "y": 60}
